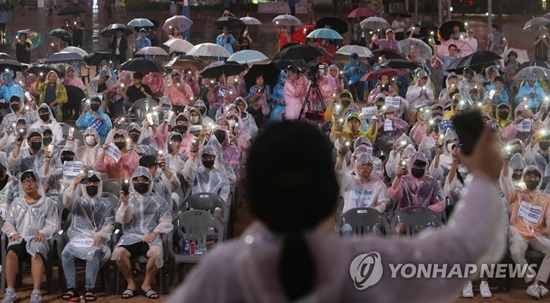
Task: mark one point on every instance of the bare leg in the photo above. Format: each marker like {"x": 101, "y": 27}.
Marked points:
{"x": 125, "y": 267}
{"x": 12, "y": 267}
{"x": 37, "y": 270}
{"x": 150, "y": 270}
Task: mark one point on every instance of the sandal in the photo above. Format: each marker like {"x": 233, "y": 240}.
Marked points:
{"x": 151, "y": 294}
{"x": 127, "y": 294}
{"x": 90, "y": 295}
{"x": 69, "y": 294}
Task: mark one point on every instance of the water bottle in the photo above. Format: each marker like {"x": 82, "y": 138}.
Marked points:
{"x": 346, "y": 230}
{"x": 431, "y": 224}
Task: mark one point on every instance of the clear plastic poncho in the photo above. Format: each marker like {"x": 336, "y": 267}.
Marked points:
{"x": 204, "y": 180}
{"x": 88, "y": 153}
{"x": 25, "y": 160}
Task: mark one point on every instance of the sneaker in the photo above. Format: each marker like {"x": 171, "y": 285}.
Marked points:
{"x": 36, "y": 296}
{"x": 543, "y": 290}
{"x": 484, "y": 290}
{"x": 467, "y": 291}
{"x": 9, "y": 296}
{"x": 533, "y": 291}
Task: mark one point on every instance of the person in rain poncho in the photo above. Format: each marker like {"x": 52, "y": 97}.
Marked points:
{"x": 402, "y": 150}
{"x": 524, "y": 126}
{"x": 295, "y": 91}
{"x": 291, "y": 243}
{"x": 451, "y": 88}
{"x": 204, "y": 177}
{"x": 156, "y": 82}
{"x": 502, "y": 115}
{"x": 471, "y": 86}
{"x": 51, "y": 172}
{"x": 495, "y": 96}
{"x": 259, "y": 98}
{"x": 123, "y": 168}
{"x": 88, "y": 153}
{"x": 18, "y": 110}
{"x": 53, "y": 93}
{"x": 30, "y": 157}
{"x": 229, "y": 154}
{"x": 9, "y": 88}
{"x": 457, "y": 176}
{"x": 248, "y": 121}
{"x": 30, "y": 222}
{"x": 419, "y": 94}
{"x": 47, "y": 119}
{"x": 164, "y": 180}
{"x": 334, "y": 72}
{"x": 191, "y": 78}
{"x": 99, "y": 86}
{"x": 139, "y": 137}
{"x": 195, "y": 122}
{"x": 93, "y": 112}
{"x": 73, "y": 79}
{"x": 144, "y": 217}
{"x": 443, "y": 159}
{"x": 119, "y": 88}
{"x": 419, "y": 131}
{"x": 538, "y": 146}
{"x": 529, "y": 223}
{"x": 386, "y": 134}
{"x": 413, "y": 187}
{"x": 351, "y": 131}
{"x": 278, "y": 98}
{"x": 353, "y": 71}
{"x": 220, "y": 95}
{"x": 6, "y": 183}
{"x": 178, "y": 91}
{"x": 174, "y": 159}
{"x": 92, "y": 224}
{"x": 181, "y": 125}
{"x": 201, "y": 106}
{"x": 531, "y": 92}
{"x": 384, "y": 87}
{"x": 340, "y": 106}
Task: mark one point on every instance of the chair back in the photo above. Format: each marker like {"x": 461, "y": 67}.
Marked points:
{"x": 363, "y": 220}
{"x": 196, "y": 226}
{"x": 112, "y": 186}
{"x": 140, "y": 108}
{"x": 209, "y": 202}
{"x": 115, "y": 202}
{"x": 416, "y": 219}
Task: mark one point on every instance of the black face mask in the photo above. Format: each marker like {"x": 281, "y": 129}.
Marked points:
{"x": 47, "y": 141}
{"x": 346, "y": 103}
{"x": 141, "y": 188}
{"x": 379, "y": 106}
{"x": 182, "y": 130}
{"x": 45, "y": 117}
{"x": 91, "y": 190}
{"x": 417, "y": 172}
{"x": 94, "y": 107}
{"x": 544, "y": 145}
{"x": 516, "y": 177}
{"x": 503, "y": 115}
{"x": 15, "y": 107}
{"x": 65, "y": 159}
{"x": 531, "y": 185}
{"x": 120, "y": 145}
{"x": 36, "y": 145}
{"x": 134, "y": 137}
{"x": 208, "y": 164}
{"x": 202, "y": 111}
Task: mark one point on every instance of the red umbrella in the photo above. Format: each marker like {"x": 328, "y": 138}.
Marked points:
{"x": 362, "y": 12}
{"x": 390, "y": 72}
{"x": 301, "y": 33}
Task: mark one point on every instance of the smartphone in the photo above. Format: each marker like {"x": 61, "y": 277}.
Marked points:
{"x": 125, "y": 187}
{"x": 469, "y": 127}
{"x": 71, "y": 133}
{"x": 195, "y": 145}
{"x": 50, "y": 148}
{"x": 28, "y": 96}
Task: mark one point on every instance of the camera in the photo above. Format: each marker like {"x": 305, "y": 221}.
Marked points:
{"x": 314, "y": 71}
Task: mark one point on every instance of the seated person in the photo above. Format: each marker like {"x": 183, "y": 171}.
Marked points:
{"x": 204, "y": 176}
{"x": 93, "y": 112}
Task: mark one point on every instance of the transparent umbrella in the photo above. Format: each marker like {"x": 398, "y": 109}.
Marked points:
{"x": 533, "y": 73}
{"x": 286, "y": 20}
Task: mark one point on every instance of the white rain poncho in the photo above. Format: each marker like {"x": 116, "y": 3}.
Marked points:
{"x": 206, "y": 121}
{"x": 25, "y": 160}
{"x": 175, "y": 161}
{"x": 220, "y": 162}
{"x": 7, "y": 142}
{"x": 91, "y": 217}
{"x": 28, "y": 220}
{"x": 88, "y": 153}
{"x": 54, "y": 126}
{"x": 6, "y": 190}
{"x": 53, "y": 180}
{"x": 143, "y": 215}
{"x": 143, "y": 146}
{"x": 402, "y": 143}
{"x": 204, "y": 180}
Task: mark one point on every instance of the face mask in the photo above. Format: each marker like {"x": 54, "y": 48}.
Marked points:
{"x": 91, "y": 190}
{"x": 94, "y": 107}
{"x": 503, "y": 115}
{"x": 516, "y": 177}
{"x": 544, "y": 145}
{"x": 36, "y": 145}
{"x": 202, "y": 111}
{"x": 182, "y": 130}
{"x": 90, "y": 140}
{"x": 45, "y": 117}
{"x": 63, "y": 160}
{"x": 531, "y": 185}
{"x": 417, "y": 172}
{"x": 208, "y": 164}
{"x": 346, "y": 103}
{"x": 47, "y": 141}
{"x": 379, "y": 106}
{"x": 120, "y": 145}
{"x": 231, "y": 122}
{"x": 134, "y": 137}
{"x": 141, "y": 188}
{"x": 15, "y": 107}
{"x": 194, "y": 119}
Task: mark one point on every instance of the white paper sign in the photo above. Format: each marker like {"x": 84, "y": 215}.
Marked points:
{"x": 369, "y": 112}
{"x": 393, "y": 101}
{"x": 388, "y": 125}
{"x": 82, "y": 243}
{"x": 369, "y": 150}
{"x": 2, "y": 212}
{"x": 72, "y": 168}
{"x": 529, "y": 212}
{"x": 195, "y": 128}
{"x": 524, "y": 126}
{"x": 113, "y": 152}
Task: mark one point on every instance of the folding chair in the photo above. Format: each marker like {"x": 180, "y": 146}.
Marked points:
{"x": 416, "y": 219}
{"x": 363, "y": 220}
{"x": 209, "y": 202}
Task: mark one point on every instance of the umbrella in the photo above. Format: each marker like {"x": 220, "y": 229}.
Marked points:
{"x": 531, "y": 72}
{"x": 534, "y": 63}
{"x": 374, "y": 23}
{"x": 423, "y": 50}
{"x": 71, "y": 10}
{"x": 289, "y": 44}
{"x": 42, "y": 70}
{"x": 143, "y": 65}
{"x": 227, "y": 68}
{"x": 34, "y": 38}
{"x": 247, "y": 56}
{"x": 463, "y": 48}
{"x": 286, "y": 20}
{"x": 141, "y": 23}
{"x": 95, "y": 58}
{"x": 62, "y": 57}
{"x": 427, "y": 24}
{"x": 535, "y": 23}
{"x": 182, "y": 62}
{"x": 325, "y": 33}
{"x": 362, "y": 12}
{"x": 10, "y": 64}
{"x": 230, "y": 22}
{"x": 181, "y": 22}
{"x": 300, "y": 33}
{"x": 400, "y": 12}
{"x": 390, "y": 72}
{"x": 75, "y": 95}
{"x": 6, "y": 56}
{"x": 152, "y": 50}
{"x": 522, "y": 56}
{"x": 269, "y": 72}
{"x": 283, "y": 64}
{"x": 299, "y": 51}
{"x": 250, "y": 21}
{"x": 111, "y": 29}
{"x": 334, "y": 23}
{"x": 208, "y": 50}
{"x": 74, "y": 49}
{"x": 388, "y": 53}
{"x": 455, "y": 66}
{"x": 479, "y": 58}
{"x": 178, "y": 45}
{"x": 445, "y": 30}
{"x": 59, "y": 33}
{"x": 361, "y": 51}
{"x": 400, "y": 63}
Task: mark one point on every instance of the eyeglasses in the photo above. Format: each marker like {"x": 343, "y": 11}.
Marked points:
{"x": 28, "y": 181}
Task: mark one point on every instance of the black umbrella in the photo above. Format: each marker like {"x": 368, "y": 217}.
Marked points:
{"x": 183, "y": 61}
{"x": 455, "y": 65}
{"x": 6, "y": 56}
{"x": 74, "y": 97}
{"x": 300, "y": 51}
{"x": 63, "y": 57}
{"x": 230, "y": 22}
{"x": 95, "y": 58}
{"x": 269, "y": 72}
{"x": 400, "y": 12}
{"x": 284, "y": 64}
{"x": 111, "y": 29}
{"x": 155, "y": 23}
{"x": 389, "y": 53}
{"x": 401, "y": 63}
{"x": 142, "y": 65}
{"x": 428, "y": 24}
{"x": 59, "y": 33}
{"x": 42, "y": 70}
{"x": 534, "y": 63}
{"x": 445, "y": 30}
{"x": 479, "y": 58}
{"x": 10, "y": 64}
{"x": 334, "y": 23}
{"x": 289, "y": 44}
{"x": 71, "y": 10}
{"x": 227, "y": 68}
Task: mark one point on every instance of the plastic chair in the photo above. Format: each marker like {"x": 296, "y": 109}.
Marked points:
{"x": 362, "y": 220}
{"x": 416, "y": 219}
{"x": 195, "y": 226}
{"x": 140, "y": 108}
{"x": 65, "y": 127}
{"x": 112, "y": 186}
{"x": 209, "y": 202}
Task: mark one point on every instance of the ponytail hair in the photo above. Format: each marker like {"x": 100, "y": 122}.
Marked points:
{"x": 297, "y": 272}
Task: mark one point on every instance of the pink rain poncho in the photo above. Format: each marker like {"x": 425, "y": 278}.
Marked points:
{"x": 164, "y": 130}
{"x": 192, "y": 80}
{"x": 337, "y": 79}
{"x": 155, "y": 81}
{"x": 411, "y": 191}
{"x": 122, "y": 169}
{"x": 181, "y": 93}
{"x": 518, "y": 130}
{"x": 241, "y": 140}
{"x": 387, "y": 137}
{"x": 74, "y": 80}
{"x": 295, "y": 91}
{"x": 123, "y": 82}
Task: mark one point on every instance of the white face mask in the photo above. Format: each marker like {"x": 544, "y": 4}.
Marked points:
{"x": 194, "y": 119}
{"x": 90, "y": 140}
{"x": 231, "y": 122}
{"x": 450, "y": 147}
